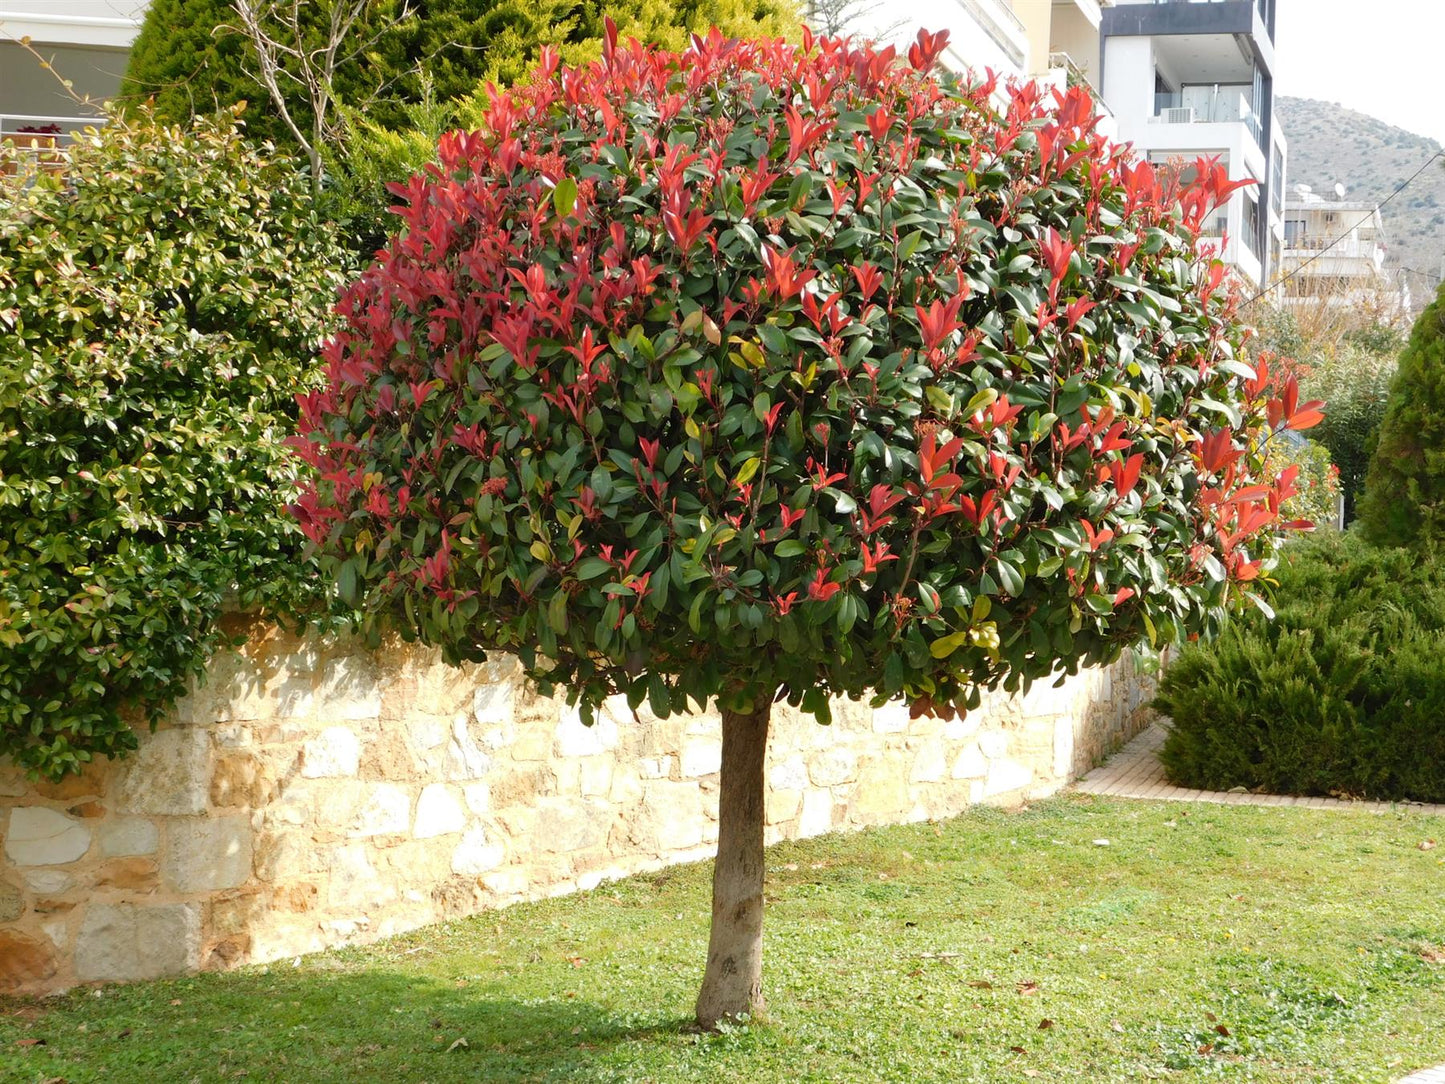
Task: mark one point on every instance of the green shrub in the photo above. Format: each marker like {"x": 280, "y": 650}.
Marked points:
{"x": 190, "y": 60}
{"x": 158, "y": 307}
{"x": 1355, "y": 383}
{"x": 1318, "y": 481}
{"x": 1404, "y": 499}
{"x": 1339, "y": 694}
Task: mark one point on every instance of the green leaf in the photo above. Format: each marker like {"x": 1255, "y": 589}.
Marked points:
{"x": 564, "y": 196}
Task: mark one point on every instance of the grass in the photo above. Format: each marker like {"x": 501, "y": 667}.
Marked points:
{"x": 1202, "y": 943}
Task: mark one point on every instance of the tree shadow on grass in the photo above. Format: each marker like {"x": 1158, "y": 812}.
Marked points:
{"x": 319, "y": 1026}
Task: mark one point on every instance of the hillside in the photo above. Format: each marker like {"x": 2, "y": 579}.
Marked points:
{"x": 1329, "y": 143}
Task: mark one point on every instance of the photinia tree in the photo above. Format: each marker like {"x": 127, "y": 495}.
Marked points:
{"x": 764, "y": 372}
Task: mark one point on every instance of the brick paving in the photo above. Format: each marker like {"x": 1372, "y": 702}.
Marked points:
{"x": 1135, "y": 772}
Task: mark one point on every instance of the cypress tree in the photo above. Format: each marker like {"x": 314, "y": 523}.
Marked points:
{"x": 1404, "y": 499}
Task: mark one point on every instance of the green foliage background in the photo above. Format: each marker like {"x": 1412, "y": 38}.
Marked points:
{"x": 1404, "y": 501}
{"x": 1339, "y": 694}
{"x": 187, "y": 59}
{"x": 159, "y": 303}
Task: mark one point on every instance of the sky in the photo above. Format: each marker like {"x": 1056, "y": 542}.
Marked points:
{"x": 1381, "y": 57}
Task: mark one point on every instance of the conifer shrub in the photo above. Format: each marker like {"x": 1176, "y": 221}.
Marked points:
{"x": 1339, "y": 694}
{"x": 1404, "y": 498}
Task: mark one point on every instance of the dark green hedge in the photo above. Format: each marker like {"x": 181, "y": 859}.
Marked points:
{"x": 1344, "y": 693}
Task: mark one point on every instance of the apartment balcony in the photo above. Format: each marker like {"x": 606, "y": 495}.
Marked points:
{"x": 39, "y": 143}
{"x": 1217, "y": 104}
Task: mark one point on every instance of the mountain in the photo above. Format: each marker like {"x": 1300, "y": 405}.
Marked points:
{"x": 1330, "y": 144}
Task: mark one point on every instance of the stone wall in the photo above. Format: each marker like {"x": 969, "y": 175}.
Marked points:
{"x": 311, "y": 795}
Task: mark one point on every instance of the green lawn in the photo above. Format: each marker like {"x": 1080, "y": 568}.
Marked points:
{"x": 1202, "y": 943}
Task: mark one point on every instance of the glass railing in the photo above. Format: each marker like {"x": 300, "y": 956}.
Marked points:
{"x": 1223, "y": 103}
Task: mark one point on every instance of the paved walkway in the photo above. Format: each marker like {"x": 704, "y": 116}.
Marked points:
{"x": 1135, "y": 772}
{"x": 1426, "y": 1076}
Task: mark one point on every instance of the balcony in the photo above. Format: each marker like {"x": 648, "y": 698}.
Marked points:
{"x": 39, "y": 143}
{"x": 1221, "y": 103}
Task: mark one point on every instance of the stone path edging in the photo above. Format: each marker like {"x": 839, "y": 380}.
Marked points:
{"x": 1135, "y": 772}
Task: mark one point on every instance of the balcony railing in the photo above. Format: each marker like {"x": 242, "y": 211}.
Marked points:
{"x": 1227, "y": 103}
{"x": 39, "y": 143}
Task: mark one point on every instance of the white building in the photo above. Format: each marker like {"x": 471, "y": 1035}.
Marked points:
{"x": 1334, "y": 255}
{"x": 86, "y": 41}
{"x": 1186, "y": 78}
{"x": 1179, "y": 79}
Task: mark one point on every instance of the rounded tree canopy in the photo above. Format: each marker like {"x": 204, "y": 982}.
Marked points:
{"x": 761, "y": 369}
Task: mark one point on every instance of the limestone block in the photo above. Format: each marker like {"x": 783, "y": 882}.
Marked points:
{"x": 817, "y": 817}
{"x": 993, "y": 744}
{"x": 417, "y": 863}
{"x": 595, "y": 776}
{"x": 565, "y": 825}
{"x": 385, "y": 810}
{"x": 970, "y": 764}
{"x": 891, "y": 718}
{"x": 388, "y": 756}
{"x": 48, "y": 882}
{"x": 961, "y": 729}
{"x": 207, "y": 854}
{"x": 833, "y": 766}
{"x": 427, "y": 731}
{"x": 708, "y": 724}
{"x": 930, "y": 763}
{"x": 791, "y": 774}
{"x": 355, "y": 882}
{"x": 10, "y": 904}
{"x": 575, "y": 739}
{"x": 465, "y": 760}
{"x": 783, "y": 806}
{"x": 474, "y": 856}
{"x": 655, "y": 767}
{"x": 478, "y": 797}
{"x": 882, "y": 789}
{"x": 138, "y": 941}
{"x": 336, "y": 751}
{"x": 23, "y": 960}
{"x": 243, "y": 779}
{"x": 438, "y": 812}
{"x": 282, "y": 855}
{"x": 169, "y": 774}
{"x": 626, "y": 786}
{"x": 128, "y": 874}
{"x": 347, "y": 689}
{"x": 671, "y": 818}
{"x": 37, "y": 836}
{"x": 493, "y": 703}
{"x": 1004, "y": 776}
{"x": 506, "y": 882}
{"x": 1044, "y": 699}
{"x": 1064, "y": 748}
{"x": 700, "y": 756}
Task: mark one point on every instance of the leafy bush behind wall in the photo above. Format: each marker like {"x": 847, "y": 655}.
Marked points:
{"x": 159, "y": 304}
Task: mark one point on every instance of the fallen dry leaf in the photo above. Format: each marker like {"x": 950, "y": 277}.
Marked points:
{"x": 29, "y": 1042}
{"x": 1211, "y": 1017}
{"x": 1018, "y": 1050}
{"x": 460, "y": 1043}
{"x": 1207, "y": 1048}
{"x": 981, "y": 984}
{"x": 1433, "y": 955}
{"x": 576, "y": 961}
{"x": 1028, "y": 987}
{"x": 1427, "y": 844}
{"x": 1222, "y": 1030}
{"x": 1045, "y": 1024}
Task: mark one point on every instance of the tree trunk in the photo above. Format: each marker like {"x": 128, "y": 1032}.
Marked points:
{"x": 733, "y": 982}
